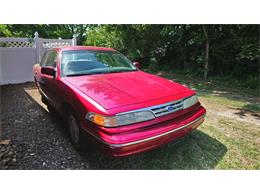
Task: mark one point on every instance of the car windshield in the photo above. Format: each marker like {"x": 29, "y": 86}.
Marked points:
{"x": 85, "y": 62}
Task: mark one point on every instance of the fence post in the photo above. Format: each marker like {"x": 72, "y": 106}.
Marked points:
{"x": 1, "y": 75}
{"x": 74, "y": 40}
{"x": 37, "y": 47}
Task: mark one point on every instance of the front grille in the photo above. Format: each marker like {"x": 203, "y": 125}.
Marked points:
{"x": 167, "y": 108}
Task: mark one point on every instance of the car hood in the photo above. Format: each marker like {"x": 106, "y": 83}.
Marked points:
{"x": 121, "y": 89}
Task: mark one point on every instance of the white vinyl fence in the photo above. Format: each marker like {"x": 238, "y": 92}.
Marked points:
{"x": 18, "y": 55}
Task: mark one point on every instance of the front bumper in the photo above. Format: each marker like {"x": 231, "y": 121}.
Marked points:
{"x": 151, "y": 136}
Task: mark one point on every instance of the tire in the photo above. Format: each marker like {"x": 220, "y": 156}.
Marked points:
{"x": 52, "y": 111}
{"x": 76, "y": 134}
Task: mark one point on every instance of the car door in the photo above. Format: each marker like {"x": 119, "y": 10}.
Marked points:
{"x": 47, "y": 83}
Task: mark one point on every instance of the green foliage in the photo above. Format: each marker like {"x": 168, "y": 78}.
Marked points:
{"x": 4, "y": 31}
{"x": 65, "y": 31}
{"x": 132, "y": 40}
{"x": 252, "y": 82}
{"x": 234, "y": 50}
{"x": 249, "y": 52}
{"x": 104, "y": 36}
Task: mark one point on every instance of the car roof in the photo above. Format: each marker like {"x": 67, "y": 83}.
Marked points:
{"x": 71, "y": 48}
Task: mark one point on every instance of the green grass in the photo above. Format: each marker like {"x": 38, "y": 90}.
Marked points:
{"x": 226, "y": 144}
{"x": 232, "y": 102}
{"x": 252, "y": 107}
{"x": 241, "y": 141}
{"x": 196, "y": 151}
{"x": 219, "y": 143}
{"x": 215, "y": 83}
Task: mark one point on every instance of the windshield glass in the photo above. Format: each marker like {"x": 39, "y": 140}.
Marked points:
{"x": 84, "y": 62}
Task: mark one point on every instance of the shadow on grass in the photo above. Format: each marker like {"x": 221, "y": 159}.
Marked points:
{"x": 36, "y": 127}
{"x": 252, "y": 107}
{"x": 196, "y": 151}
{"x": 244, "y": 113}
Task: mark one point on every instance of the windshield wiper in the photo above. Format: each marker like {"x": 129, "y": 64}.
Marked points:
{"x": 82, "y": 74}
{"x": 116, "y": 71}
{"x": 106, "y": 72}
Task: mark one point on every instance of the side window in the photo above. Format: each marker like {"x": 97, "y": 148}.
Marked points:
{"x": 43, "y": 60}
{"x": 50, "y": 59}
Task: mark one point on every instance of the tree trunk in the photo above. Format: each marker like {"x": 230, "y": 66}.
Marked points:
{"x": 206, "y": 52}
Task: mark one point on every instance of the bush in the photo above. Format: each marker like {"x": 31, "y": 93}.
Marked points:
{"x": 252, "y": 82}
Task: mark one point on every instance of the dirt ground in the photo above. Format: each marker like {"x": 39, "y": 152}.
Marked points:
{"x": 231, "y": 112}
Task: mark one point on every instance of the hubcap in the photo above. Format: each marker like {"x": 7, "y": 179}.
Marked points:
{"x": 74, "y": 129}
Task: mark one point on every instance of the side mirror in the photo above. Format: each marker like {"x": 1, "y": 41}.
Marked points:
{"x": 48, "y": 70}
{"x": 35, "y": 65}
{"x": 137, "y": 64}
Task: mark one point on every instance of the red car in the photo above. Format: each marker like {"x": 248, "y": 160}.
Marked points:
{"x": 109, "y": 102}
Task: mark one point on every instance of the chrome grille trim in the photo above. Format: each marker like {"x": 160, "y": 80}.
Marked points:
{"x": 160, "y": 110}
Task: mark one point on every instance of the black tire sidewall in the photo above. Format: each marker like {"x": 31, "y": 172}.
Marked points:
{"x": 81, "y": 144}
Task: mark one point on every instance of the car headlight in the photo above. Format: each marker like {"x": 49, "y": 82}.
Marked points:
{"x": 188, "y": 102}
{"x": 120, "y": 119}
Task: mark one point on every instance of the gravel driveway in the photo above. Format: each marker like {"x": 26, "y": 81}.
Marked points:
{"x": 34, "y": 139}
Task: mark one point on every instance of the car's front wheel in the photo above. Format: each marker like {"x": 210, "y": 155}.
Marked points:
{"x": 73, "y": 129}
{"x": 76, "y": 133}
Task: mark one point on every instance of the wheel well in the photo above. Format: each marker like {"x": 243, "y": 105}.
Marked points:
{"x": 65, "y": 108}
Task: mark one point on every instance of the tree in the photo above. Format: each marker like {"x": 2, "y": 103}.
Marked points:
{"x": 65, "y": 31}
{"x": 206, "y": 52}
{"x": 80, "y": 30}
{"x": 4, "y": 31}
